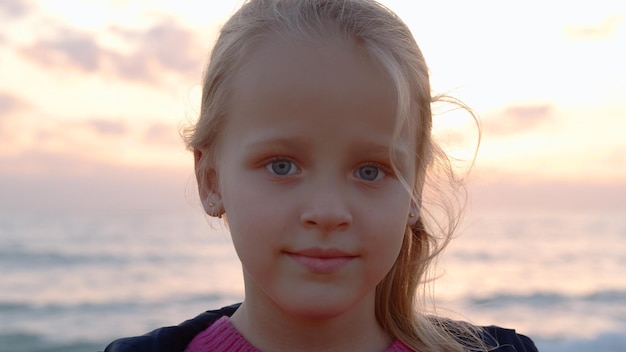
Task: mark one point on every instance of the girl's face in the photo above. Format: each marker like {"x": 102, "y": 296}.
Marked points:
{"x": 316, "y": 213}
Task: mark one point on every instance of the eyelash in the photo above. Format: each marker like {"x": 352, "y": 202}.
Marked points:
{"x": 267, "y": 164}
{"x": 387, "y": 171}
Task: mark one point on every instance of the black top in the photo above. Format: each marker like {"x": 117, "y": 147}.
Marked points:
{"x": 176, "y": 338}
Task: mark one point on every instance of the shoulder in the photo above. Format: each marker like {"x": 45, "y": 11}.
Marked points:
{"x": 171, "y": 338}
{"x": 481, "y": 338}
{"x": 507, "y": 340}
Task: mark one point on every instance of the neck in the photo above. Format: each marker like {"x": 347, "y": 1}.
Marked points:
{"x": 270, "y": 328}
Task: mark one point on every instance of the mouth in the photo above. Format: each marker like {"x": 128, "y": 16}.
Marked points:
{"x": 321, "y": 260}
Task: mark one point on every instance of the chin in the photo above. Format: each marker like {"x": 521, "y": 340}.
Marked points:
{"x": 320, "y": 308}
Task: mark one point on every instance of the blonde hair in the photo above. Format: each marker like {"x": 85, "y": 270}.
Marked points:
{"x": 390, "y": 43}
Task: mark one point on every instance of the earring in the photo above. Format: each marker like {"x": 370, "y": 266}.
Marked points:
{"x": 413, "y": 216}
{"x": 212, "y": 207}
{"x": 207, "y": 204}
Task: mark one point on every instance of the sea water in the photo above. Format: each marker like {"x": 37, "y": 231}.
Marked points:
{"x": 74, "y": 282}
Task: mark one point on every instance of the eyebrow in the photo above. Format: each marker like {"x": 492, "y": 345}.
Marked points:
{"x": 292, "y": 143}
{"x": 297, "y": 143}
{"x": 399, "y": 152}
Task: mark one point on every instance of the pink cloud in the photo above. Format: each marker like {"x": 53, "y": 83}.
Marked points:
{"x": 10, "y": 107}
{"x": 617, "y": 157}
{"x": 518, "y": 119}
{"x": 107, "y": 127}
{"x": 12, "y": 9}
{"x": 602, "y": 30}
{"x": 169, "y": 44}
{"x": 32, "y": 161}
{"x": 10, "y": 104}
{"x": 70, "y": 49}
{"x": 163, "y": 134}
{"x": 165, "y": 46}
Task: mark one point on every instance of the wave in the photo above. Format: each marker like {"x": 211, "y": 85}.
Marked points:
{"x": 110, "y": 306}
{"x": 606, "y": 342}
{"x": 90, "y": 326}
{"x": 25, "y": 342}
{"x": 549, "y": 299}
{"x": 34, "y": 259}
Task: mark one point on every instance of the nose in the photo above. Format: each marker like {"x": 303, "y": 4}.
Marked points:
{"x": 327, "y": 209}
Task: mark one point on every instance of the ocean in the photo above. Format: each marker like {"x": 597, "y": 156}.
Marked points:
{"x": 75, "y": 282}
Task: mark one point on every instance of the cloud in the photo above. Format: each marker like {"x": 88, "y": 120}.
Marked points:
{"x": 70, "y": 48}
{"x": 10, "y": 107}
{"x": 616, "y": 157}
{"x": 170, "y": 45}
{"x": 10, "y": 104}
{"x": 518, "y": 119}
{"x": 166, "y": 46}
{"x": 31, "y": 162}
{"x": 34, "y": 132}
{"x": 602, "y": 30}
{"x": 69, "y": 133}
{"x": 14, "y": 8}
{"x": 107, "y": 127}
{"x": 164, "y": 134}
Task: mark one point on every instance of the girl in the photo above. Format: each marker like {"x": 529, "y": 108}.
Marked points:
{"x": 314, "y": 143}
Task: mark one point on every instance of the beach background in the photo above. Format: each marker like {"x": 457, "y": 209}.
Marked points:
{"x": 102, "y": 236}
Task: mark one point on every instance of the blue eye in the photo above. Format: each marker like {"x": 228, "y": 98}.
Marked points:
{"x": 281, "y": 167}
{"x": 369, "y": 173}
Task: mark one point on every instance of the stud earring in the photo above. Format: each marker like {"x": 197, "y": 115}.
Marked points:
{"x": 213, "y": 208}
{"x": 208, "y": 205}
{"x": 413, "y": 216}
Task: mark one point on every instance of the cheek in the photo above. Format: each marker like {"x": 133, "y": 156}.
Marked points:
{"x": 386, "y": 242}
{"x": 253, "y": 221}
{"x": 253, "y": 240}
{"x": 394, "y": 241}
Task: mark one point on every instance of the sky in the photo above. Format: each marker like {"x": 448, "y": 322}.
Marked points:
{"x": 93, "y": 95}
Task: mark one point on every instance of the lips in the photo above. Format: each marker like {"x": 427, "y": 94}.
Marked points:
{"x": 322, "y": 260}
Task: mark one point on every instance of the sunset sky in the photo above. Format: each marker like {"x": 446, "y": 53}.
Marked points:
{"x": 93, "y": 94}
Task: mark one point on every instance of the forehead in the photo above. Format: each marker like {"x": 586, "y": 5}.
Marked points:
{"x": 305, "y": 77}
{"x": 308, "y": 59}
{"x": 302, "y": 68}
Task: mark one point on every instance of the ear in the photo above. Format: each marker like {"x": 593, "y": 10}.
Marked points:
{"x": 208, "y": 185}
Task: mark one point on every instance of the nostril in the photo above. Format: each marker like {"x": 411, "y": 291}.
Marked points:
{"x": 310, "y": 223}
{"x": 327, "y": 219}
